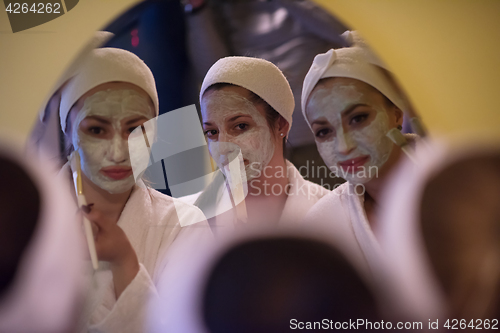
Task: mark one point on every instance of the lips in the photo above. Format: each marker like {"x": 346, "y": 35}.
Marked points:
{"x": 116, "y": 173}
{"x": 354, "y": 163}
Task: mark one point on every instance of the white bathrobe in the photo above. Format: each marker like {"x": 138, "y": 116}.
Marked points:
{"x": 342, "y": 212}
{"x": 152, "y": 224}
{"x": 302, "y": 195}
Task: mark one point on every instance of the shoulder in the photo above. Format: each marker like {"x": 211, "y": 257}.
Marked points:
{"x": 166, "y": 207}
{"x": 329, "y": 203}
{"x": 305, "y": 187}
{"x": 315, "y": 190}
{"x": 190, "y": 199}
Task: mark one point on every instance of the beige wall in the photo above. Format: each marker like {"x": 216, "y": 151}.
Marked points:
{"x": 31, "y": 61}
{"x": 445, "y": 53}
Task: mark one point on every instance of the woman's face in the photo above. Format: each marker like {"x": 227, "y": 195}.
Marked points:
{"x": 350, "y": 120}
{"x": 232, "y": 123}
{"x": 101, "y": 122}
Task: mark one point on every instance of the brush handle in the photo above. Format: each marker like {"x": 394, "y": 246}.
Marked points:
{"x": 233, "y": 174}
{"x": 89, "y": 234}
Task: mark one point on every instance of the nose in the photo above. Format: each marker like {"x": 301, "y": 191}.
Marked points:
{"x": 223, "y": 137}
{"x": 118, "y": 150}
{"x": 345, "y": 143}
{"x": 227, "y": 148}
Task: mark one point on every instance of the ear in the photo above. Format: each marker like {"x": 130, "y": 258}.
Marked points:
{"x": 283, "y": 126}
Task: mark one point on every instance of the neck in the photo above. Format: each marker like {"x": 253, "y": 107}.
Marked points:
{"x": 373, "y": 189}
{"x": 268, "y": 193}
{"x": 375, "y": 185}
{"x": 107, "y": 203}
{"x": 274, "y": 174}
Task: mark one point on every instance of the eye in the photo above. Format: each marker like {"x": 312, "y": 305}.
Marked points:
{"x": 358, "y": 119}
{"x": 131, "y": 129}
{"x": 323, "y": 133}
{"x": 211, "y": 133}
{"x": 242, "y": 126}
{"x": 96, "y": 130}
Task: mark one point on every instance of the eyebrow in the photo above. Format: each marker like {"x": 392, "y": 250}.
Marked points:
{"x": 133, "y": 120}
{"x": 350, "y": 109}
{"x": 320, "y": 122}
{"x": 99, "y": 119}
{"x": 345, "y": 113}
{"x": 238, "y": 116}
{"x": 230, "y": 119}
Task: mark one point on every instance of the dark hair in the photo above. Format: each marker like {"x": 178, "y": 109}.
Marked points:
{"x": 260, "y": 285}
{"x": 19, "y": 211}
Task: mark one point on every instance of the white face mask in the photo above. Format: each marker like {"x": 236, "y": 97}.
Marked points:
{"x": 250, "y": 132}
{"x": 106, "y": 162}
{"x": 355, "y": 153}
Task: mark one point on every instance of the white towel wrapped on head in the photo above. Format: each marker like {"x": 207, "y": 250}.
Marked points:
{"x": 355, "y": 62}
{"x": 259, "y": 76}
{"x": 107, "y": 65}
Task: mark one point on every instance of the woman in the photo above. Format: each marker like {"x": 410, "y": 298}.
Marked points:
{"x": 113, "y": 93}
{"x": 350, "y": 105}
{"x": 247, "y": 106}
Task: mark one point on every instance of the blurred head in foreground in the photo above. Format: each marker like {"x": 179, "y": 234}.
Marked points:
{"x": 460, "y": 215}
{"x": 40, "y": 250}
{"x": 270, "y": 281}
{"x": 272, "y": 285}
{"x": 441, "y": 231}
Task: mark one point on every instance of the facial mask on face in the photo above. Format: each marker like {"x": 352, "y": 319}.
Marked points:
{"x": 369, "y": 141}
{"x": 255, "y": 143}
{"x": 97, "y": 153}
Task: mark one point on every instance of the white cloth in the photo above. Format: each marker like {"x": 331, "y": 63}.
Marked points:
{"x": 48, "y": 286}
{"x": 151, "y": 221}
{"x": 356, "y": 62}
{"x": 257, "y": 75}
{"x": 107, "y": 65}
{"x": 342, "y": 213}
{"x": 303, "y": 194}
{"x": 98, "y": 39}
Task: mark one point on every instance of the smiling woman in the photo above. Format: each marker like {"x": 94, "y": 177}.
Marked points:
{"x": 247, "y": 106}
{"x": 352, "y": 105}
{"x": 134, "y": 227}
{"x": 100, "y": 123}
{"x": 350, "y": 120}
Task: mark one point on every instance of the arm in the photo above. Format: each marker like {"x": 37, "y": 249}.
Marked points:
{"x": 135, "y": 292}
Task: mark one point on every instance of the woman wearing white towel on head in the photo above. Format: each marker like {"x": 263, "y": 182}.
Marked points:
{"x": 247, "y": 105}
{"x": 136, "y": 228}
{"x": 351, "y": 105}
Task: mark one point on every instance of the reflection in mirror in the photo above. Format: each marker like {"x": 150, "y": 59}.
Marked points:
{"x": 230, "y": 150}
